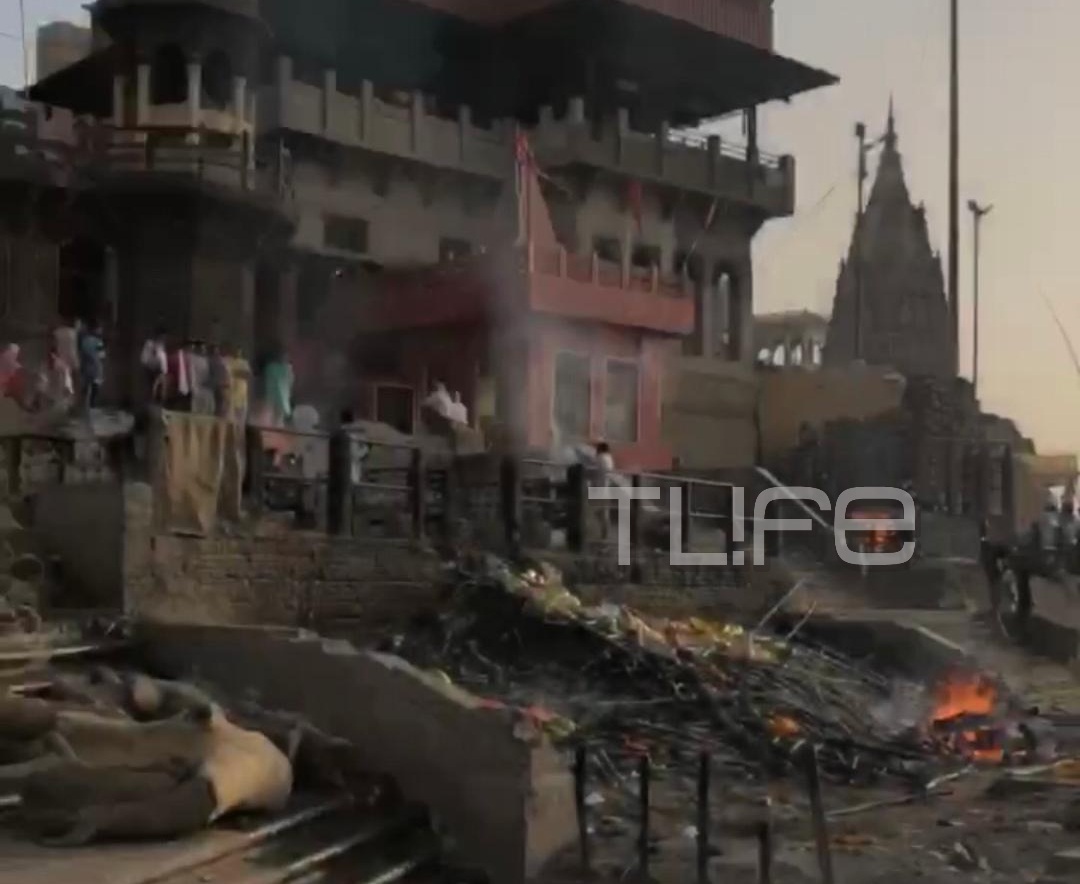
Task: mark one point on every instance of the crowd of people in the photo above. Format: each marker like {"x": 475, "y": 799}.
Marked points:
{"x": 70, "y": 376}
{"x": 195, "y": 377}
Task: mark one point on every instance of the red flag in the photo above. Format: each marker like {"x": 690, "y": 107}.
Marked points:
{"x": 635, "y": 198}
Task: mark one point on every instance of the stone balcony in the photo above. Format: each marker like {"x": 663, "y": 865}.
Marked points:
{"x": 407, "y": 129}
{"x": 536, "y": 279}
{"x": 401, "y": 128}
{"x": 154, "y": 156}
{"x": 690, "y": 162}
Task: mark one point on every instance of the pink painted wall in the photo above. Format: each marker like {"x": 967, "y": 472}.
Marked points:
{"x": 600, "y": 343}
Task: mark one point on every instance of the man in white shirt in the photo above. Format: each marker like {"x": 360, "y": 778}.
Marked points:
{"x": 458, "y": 412}
{"x": 155, "y": 365}
{"x": 605, "y": 464}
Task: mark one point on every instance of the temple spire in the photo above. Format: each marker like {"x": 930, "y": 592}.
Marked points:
{"x": 890, "y": 128}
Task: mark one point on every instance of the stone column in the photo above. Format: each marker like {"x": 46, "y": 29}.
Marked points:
{"x": 284, "y": 86}
{"x": 194, "y": 96}
{"x": 119, "y": 91}
{"x": 112, "y": 284}
{"x": 329, "y": 90}
{"x": 239, "y": 102}
{"x": 708, "y": 310}
{"x": 142, "y": 95}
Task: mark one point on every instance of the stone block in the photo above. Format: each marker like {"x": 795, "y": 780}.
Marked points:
{"x": 506, "y": 796}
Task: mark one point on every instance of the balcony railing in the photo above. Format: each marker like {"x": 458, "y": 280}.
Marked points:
{"x": 557, "y": 261}
{"x": 742, "y": 152}
{"x": 235, "y": 165}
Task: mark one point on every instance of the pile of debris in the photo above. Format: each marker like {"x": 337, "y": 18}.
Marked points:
{"x": 626, "y": 685}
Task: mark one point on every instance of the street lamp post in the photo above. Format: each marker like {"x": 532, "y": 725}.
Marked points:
{"x": 977, "y": 214}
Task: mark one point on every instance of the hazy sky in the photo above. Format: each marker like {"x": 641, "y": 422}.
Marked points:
{"x": 1020, "y": 141}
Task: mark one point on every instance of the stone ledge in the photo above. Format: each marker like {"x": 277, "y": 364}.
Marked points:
{"x": 504, "y": 793}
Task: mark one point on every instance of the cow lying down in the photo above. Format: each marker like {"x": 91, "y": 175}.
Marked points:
{"x": 130, "y": 757}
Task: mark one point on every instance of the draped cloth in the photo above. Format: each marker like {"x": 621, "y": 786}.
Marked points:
{"x": 198, "y": 472}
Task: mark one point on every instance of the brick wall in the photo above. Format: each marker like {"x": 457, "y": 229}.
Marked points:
{"x": 280, "y": 578}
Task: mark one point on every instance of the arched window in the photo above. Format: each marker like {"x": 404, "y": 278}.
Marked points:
{"x": 217, "y": 80}
{"x": 168, "y": 76}
{"x": 780, "y": 355}
{"x": 797, "y": 354}
{"x": 764, "y": 356}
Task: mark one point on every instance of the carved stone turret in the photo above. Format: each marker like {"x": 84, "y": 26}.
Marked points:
{"x": 904, "y": 315}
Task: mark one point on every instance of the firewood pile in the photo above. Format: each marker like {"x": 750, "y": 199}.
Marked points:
{"x": 625, "y": 686}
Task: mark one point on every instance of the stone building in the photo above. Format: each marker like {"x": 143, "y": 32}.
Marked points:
{"x": 790, "y": 339}
{"x": 890, "y": 307}
{"x": 290, "y": 174}
{"x": 60, "y": 44}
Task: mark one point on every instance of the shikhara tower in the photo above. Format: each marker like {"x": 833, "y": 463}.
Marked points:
{"x": 905, "y": 314}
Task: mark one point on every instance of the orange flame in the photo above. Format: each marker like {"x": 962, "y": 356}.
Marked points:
{"x": 783, "y": 726}
{"x": 960, "y": 695}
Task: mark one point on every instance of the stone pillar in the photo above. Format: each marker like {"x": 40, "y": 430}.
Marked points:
{"x": 142, "y": 95}
{"x": 239, "y": 103}
{"x": 119, "y": 90}
{"x": 329, "y": 90}
{"x": 575, "y": 109}
{"x": 194, "y": 98}
{"x": 416, "y": 118}
{"x": 464, "y": 129}
{"x": 112, "y": 284}
{"x": 284, "y": 85}
{"x": 709, "y": 318}
{"x": 367, "y": 100}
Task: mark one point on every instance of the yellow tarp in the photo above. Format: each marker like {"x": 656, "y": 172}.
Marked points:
{"x": 199, "y": 472}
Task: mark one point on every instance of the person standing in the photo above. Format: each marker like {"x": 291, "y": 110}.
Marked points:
{"x": 155, "y": 366}
{"x": 239, "y": 384}
{"x": 91, "y": 365}
{"x": 66, "y": 342}
{"x": 202, "y": 393}
{"x": 605, "y": 466}
{"x": 278, "y": 386}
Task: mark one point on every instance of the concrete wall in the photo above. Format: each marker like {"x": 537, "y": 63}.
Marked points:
{"x": 709, "y": 414}
{"x": 789, "y": 399}
{"x": 504, "y": 794}
{"x": 405, "y": 222}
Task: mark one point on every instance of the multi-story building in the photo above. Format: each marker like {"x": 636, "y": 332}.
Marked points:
{"x": 59, "y": 45}
{"x": 493, "y": 194}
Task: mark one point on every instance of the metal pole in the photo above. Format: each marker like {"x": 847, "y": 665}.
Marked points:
{"x": 954, "y": 182}
{"x": 860, "y": 134}
{"x": 977, "y": 213}
{"x": 817, "y": 810}
{"x": 975, "y": 313}
{"x": 644, "y": 771}
{"x": 25, "y": 50}
{"x": 703, "y": 817}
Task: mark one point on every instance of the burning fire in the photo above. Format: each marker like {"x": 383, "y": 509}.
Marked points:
{"x": 877, "y": 540}
{"x": 958, "y": 698}
{"x": 783, "y": 727}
